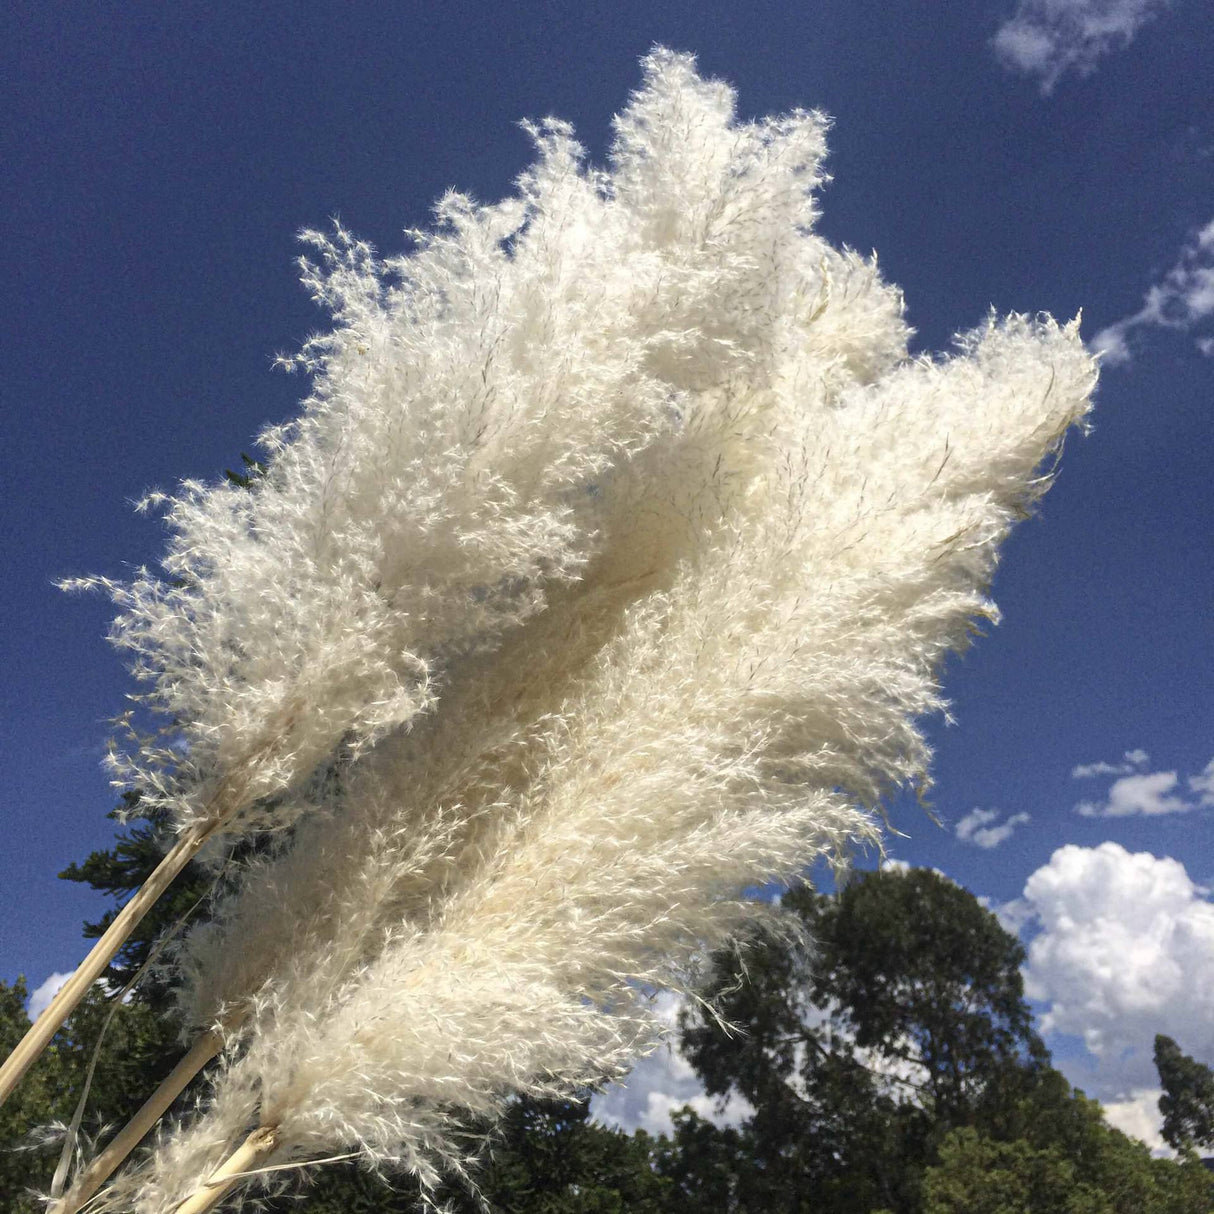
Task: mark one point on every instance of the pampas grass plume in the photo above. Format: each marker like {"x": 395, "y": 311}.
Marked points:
{"x": 617, "y": 551}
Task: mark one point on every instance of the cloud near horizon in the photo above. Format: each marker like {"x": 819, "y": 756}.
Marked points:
{"x": 1183, "y": 300}
{"x": 1138, "y": 1115}
{"x": 1048, "y": 38}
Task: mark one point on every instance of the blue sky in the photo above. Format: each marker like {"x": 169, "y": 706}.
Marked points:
{"x": 1013, "y": 153}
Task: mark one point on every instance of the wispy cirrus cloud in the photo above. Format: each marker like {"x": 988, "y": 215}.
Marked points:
{"x": 1202, "y": 786}
{"x": 1182, "y": 300}
{"x": 1048, "y": 38}
{"x": 982, "y": 828}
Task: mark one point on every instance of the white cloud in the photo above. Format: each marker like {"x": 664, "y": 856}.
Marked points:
{"x": 1134, "y": 759}
{"x": 1149, "y": 793}
{"x": 660, "y": 1084}
{"x": 1085, "y": 771}
{"x": 1138, "y": 1115}
{"x": 1013, "y": 915}
{"x": 1125, "y": 950}
{"x": 1182, "y": 300}
{"x": 891, "y": 864}
{"x": 41, "y": 996}
{"x": 977, "y": 827}
{"x": 1203, "y": 785}
{"x": 1048, "y": 38}
{"x": 972, "y": 821}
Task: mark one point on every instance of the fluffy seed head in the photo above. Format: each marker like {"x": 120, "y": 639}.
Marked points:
{"x": 636, "y": 470}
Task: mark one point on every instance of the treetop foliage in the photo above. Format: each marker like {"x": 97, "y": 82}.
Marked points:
{"x": 949, "y": 1107}
{"x": 1187, "y": 1103}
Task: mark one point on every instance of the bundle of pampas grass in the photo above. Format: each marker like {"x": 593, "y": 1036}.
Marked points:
{"x": 606, "y": 575}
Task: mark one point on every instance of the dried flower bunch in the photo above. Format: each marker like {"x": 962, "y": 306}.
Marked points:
{"x": 613, "y": 558}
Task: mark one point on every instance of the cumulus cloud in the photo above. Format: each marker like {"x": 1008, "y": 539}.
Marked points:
{"x": 1138, "y": 1115}
{"x": 978, "y": 827}
{"x": 1124, "y": 950}
{"x": 661, "y": 1084}
{"x": 41, "y": 996}
{"x": 1013, "y": 915}
{"x": 1183, "y": 300}
{"x": 1149, "y": 793}
{"x": 891, "y": 864}
{"x": 1048, "y": 38}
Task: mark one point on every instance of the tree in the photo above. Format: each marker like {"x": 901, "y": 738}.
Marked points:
{"x": 135, "y": 1052}
{"x": 33, "y": 1106}
{"x": 838, "y": 1128}
{"x": 546, "y": 1157}
{"x": 892, "y": 1064}
{"x": 1066, "y": 1160}
{"x": 926, "y": 977}
{"x": 1187, "y": 1103}
{"x": 899, "y": 1015}
{"x": 119, "y": 871}
{"x": 551, "y": 1159}
{"x": 137, "y": 1049}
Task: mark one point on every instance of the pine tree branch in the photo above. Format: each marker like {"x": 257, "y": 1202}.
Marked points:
{"x": 96, "y": 963}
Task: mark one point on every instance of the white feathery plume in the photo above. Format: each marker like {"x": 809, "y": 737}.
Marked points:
{"x": 538, "y": 379}
{"x": 687, "y": 297}
{"x": 438, "y": 483}
{"x": 721, "y": 688}
{"x": 650, "y": 316}
{"x": 477, "y": 418}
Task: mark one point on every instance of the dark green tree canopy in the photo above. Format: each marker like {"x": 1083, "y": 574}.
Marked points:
{"x": 1187, "y": 1103}
{"x": 884, "y": 1046}
{"x": 900, "y": 974}
{"x": 892, "y": 1063}
{"x": 119, "y": 871}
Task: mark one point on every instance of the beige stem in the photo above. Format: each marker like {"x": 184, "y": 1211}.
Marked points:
{"x": 123, "y": 1143}
{"x": 255, "y": 1149}
{"x": 94, "y": 965}
{"x": 230, "y": 796}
